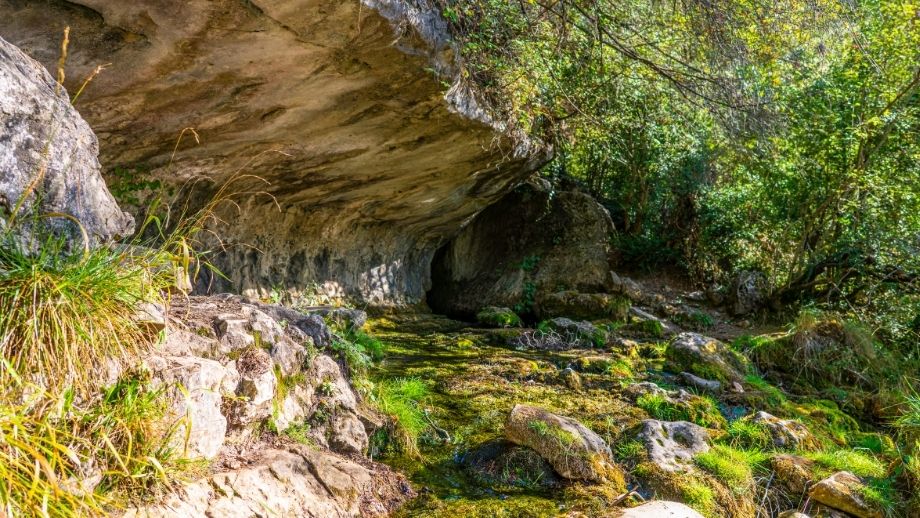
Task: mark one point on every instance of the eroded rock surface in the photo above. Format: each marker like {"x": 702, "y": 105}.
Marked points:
{"x": 365, "y": 161}
{"x": 297, "y": 481}
{"x": 661, "y": 509}
{"x": 672, "y": 445}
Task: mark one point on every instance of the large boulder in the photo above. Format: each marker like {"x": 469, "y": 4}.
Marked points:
{"x": 532, "y": 243}
{"x": 362, "y": 162}
{"x": 574, "y": 451}
{"x": 747, "y": 293}
{"x": 706, "y": 357}
{"x": 49, "y": 156}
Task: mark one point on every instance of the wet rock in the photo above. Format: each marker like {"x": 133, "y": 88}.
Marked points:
{"x": 699, "y": 383}
{"x": 661, "y": 509}
{"x": 583, "y": 306}
{"x": 574, "y": 451}
{"x": 785, "y": 433}
{"x": 843, "y": 491}
{"x": 501, "y": 462}
{"x": 747, "y": 293}
{"x": 570, "y": 378}
{"x": 672, "y": 445}
{"x": 41, "y": 131}
{"x": 295, "y": 482}
{"x": 194, "y": 385}
{"x": 792, "y": 472}
{"x": 705, "y": 357}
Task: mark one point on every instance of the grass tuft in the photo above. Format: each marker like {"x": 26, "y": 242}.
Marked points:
{"x": 401, "y": 400}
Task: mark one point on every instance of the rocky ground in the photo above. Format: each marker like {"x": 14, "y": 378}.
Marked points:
{"x": 557, "y": 421}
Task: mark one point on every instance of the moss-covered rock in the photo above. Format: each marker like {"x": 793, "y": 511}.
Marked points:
{"x": 574, "y": 451}
{"x": 584, "y": 306}
{"x": 498, "y": 463}
{"x": 706, "y": 357}
{"x": 494, "y": 316}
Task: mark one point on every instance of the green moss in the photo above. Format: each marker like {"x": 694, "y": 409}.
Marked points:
{"x": 400, "y": 400}
{"x": 771, "y": 396}
{"x": 498, "y": 317}
{"x": 699, "y": 496}
{"x": 702, "y": 410}
{"x": 628, "y": 451}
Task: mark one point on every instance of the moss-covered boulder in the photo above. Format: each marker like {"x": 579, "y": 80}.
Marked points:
{"x": 494, "y": 316}
{"x": 785, "y": 433}
{"x": 586, "y": 306}
{"x": 574, "y": 451}
{"x": 706, "y": 357}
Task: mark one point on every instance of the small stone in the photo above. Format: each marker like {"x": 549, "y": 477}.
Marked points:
{"x": 792, "y": 513}
{"x": 699, "y": 383}
{"x": 793, "y": 472}
{"x": 843, "y": 491}
{"x": 151, "y": 314}
{"x": 348, "y": 434}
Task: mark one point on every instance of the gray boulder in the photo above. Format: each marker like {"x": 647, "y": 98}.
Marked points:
{"x": 747, "y": 293}
{"x": 672, "y": 445}
{"x": 49, "y": 156}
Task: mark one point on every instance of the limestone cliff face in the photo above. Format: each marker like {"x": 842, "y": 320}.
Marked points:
{"x": 372, "y": 154}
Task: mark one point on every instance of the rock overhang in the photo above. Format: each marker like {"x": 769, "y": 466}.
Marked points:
{"x": 372, "y": 149}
